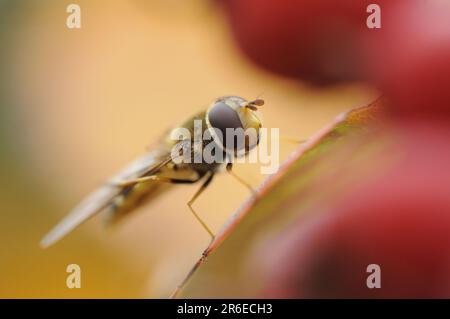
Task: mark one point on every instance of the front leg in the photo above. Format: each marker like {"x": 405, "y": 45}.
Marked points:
{"x": 240, "y": 180}
{"x": 144, "y": 179}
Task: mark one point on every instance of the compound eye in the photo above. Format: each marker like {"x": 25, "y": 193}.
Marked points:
{"x": 221, "y": 116}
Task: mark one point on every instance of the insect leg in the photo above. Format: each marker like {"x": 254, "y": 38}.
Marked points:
{"x": 177, "y": 181}
{"x": 138, "y": 180}
{"x": 240, "y": 180}
{"x": 144, "y": 179}
{"x": 196, "y": 195}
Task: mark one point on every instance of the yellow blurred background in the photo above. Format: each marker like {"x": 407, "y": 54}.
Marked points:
{"x": 78, "y": 104}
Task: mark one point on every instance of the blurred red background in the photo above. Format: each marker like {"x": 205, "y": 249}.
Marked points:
{"x": 401, "y": 219}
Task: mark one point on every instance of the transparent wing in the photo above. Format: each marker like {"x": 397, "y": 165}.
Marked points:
{"x": 102, "y": 197}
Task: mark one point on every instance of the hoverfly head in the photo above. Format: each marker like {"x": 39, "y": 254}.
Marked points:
{"x": 240, "y": 115}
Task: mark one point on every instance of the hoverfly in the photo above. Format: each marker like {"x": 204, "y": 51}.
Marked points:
{"x": 149, "y": 175}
